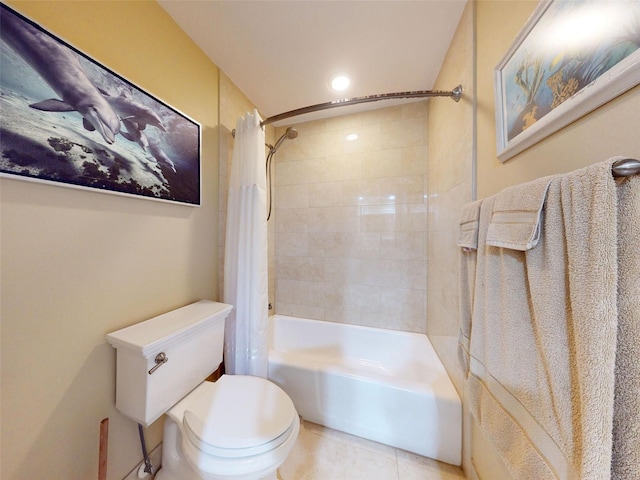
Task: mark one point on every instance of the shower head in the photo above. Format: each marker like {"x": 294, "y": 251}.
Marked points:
{"x": 290, "y": 133}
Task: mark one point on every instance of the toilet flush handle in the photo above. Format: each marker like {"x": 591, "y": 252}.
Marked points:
{"x": 160, "y": 360}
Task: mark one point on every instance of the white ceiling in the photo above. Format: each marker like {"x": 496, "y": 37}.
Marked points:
{"x": 283, "y": 54}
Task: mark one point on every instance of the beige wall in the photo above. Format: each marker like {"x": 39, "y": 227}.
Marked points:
{"x": 351, "y": 219}
{"x": 78, "y": 264}
{"x": 608, "y": 131}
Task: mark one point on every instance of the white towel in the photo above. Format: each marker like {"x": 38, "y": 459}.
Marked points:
{"x": 517, "y": 215}
{"x": 468, "y": 241}
{"x": 469, "y": 222}
{"x": 543, "y": 337}
{"x": 626, "y": 421}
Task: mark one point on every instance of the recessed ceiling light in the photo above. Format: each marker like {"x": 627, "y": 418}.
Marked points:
{"x": 352, "y": 136}
{"x": 340, "y": 83}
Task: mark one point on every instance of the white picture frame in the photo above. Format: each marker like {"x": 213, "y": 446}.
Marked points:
{"x": 69, "y": 121}
{"x": 544, "y": 83}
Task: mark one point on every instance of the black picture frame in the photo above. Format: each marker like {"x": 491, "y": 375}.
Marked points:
{"x": 70, "y": 121}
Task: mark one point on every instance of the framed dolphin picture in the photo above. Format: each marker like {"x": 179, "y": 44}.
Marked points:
{"x": 69, "y": 120}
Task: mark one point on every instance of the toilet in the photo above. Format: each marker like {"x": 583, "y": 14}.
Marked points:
{"x": 239, "y": 427}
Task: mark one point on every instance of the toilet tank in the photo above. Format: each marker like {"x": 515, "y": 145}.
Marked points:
{"x": 191, "y": 339}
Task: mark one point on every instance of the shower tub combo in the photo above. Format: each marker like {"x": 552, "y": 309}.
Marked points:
{"x": 383, "y": 385}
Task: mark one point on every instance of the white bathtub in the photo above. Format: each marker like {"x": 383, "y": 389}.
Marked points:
{"x": 384, "y": 385}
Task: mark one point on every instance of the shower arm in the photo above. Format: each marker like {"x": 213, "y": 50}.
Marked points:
{"x": 455, "y": 94}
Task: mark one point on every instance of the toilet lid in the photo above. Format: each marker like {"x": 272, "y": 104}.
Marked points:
{"x": 237, "y": 412}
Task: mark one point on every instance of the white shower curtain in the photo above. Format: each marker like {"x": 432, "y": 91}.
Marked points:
{"x": 245, "y": 258}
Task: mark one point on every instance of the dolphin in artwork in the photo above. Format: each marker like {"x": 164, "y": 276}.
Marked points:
{"x": 135, "y": 112}
{"x": 60, "y": 68}
{"x": 134, "y": 134}
{"x": 159, "y": 155}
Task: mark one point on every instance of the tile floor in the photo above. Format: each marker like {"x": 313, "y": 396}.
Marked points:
{"x": 324, "y": 454}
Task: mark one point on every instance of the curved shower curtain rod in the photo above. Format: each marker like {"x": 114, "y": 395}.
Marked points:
{"x": 455, "y": 94}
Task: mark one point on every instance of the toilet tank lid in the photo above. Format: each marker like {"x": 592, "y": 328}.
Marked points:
{"x": 153, "y": 335}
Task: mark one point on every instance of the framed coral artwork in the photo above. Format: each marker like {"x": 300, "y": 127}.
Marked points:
{"x": 570, "y": 58}
{"x": 69, "y": 121}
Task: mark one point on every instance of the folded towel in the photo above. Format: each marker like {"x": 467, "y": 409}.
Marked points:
{"x": 468, "y": 240}
{"x": 626, "y": 421}
{"x": 517, "y": 215}
{"x": 469, "y": 219}
{"x": 543, "y": 338}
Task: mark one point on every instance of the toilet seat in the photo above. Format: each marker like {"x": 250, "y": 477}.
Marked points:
{"x": 237, "y": 416}
{"x": 215, "y": 451}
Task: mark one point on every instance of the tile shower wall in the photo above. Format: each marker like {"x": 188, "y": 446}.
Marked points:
{"x": 451, "y": 159}
{"x": 351, "y": 219}
{"x": 452, "y": 148}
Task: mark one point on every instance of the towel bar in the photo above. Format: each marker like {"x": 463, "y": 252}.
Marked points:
{"x": 625, "y": 167}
